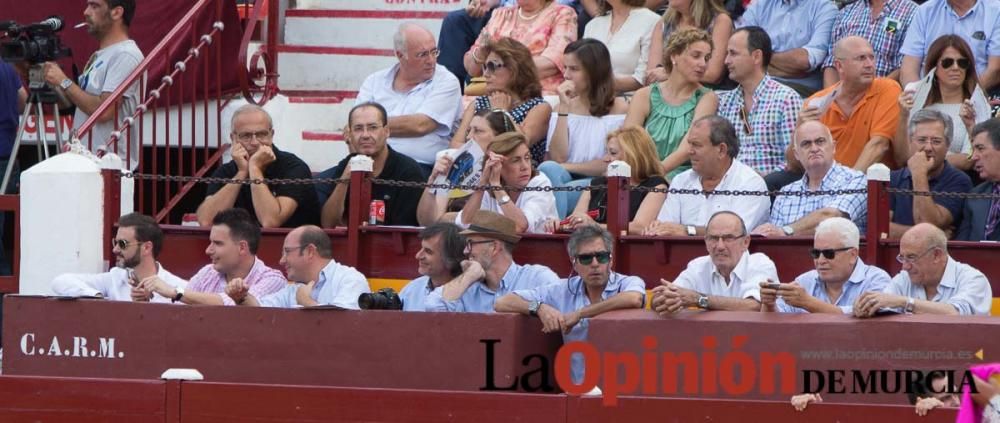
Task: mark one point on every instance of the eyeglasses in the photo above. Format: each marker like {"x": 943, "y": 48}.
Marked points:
{"x": 713, "y": 239}
{"x": 360, "y": 129}
{"x": 122, "y": 244}
{"x": 603, "y": 257}
{"x": 470, "y": 243}
{"x": 962, "y": 63}
{"x": 493, "y": 67}
{"x": 911, "y": 258}
{"x": 819, "y": 142}
{"x": 829, "y": 253}
{"x": 746, "y": 120}
{"x": 922, "y": 141}
{"x": 247, "y": 136}
{"x": 432, "y": 53}
{"x": 288, "y": 250}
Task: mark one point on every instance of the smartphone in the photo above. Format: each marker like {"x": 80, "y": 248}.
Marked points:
{"x": 131, "y": 277}
{"x": 772, "y": 285}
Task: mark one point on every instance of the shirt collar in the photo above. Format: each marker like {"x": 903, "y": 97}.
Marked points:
{"x": 858, "y": 275}
{"x": 509, "y": 276}
{"x": 906, "y": 174}
{"x": 950, "y": 275}
{"x": 740, "y": 271}
{"x": 575, "y": 285}
{"x": 390, "y": 79}
{"x": 949, "y": 9}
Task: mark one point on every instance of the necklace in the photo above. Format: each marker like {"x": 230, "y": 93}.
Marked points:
{"x": 520, "y": 14}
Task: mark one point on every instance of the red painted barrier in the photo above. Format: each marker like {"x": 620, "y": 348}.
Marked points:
{"x": 48, "y": 399}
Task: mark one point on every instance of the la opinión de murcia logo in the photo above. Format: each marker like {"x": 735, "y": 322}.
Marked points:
{"x": 76, "y": 346}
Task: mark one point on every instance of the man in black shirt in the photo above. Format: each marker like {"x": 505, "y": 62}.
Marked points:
{"x": 368, "y": 134}
{"x": 256, "y": 157}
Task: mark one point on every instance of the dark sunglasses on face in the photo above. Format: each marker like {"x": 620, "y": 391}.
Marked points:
{"x": 828, "y": 253}
{"x": 962, "y": 63}
{"x": 122, "y": 244}
{"x": 603, "y": 257}
{"x": 492, "y": 67}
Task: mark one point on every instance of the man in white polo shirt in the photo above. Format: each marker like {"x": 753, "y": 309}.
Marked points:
{"x": 422, "y": 98}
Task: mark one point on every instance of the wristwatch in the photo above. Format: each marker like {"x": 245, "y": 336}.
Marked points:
{"x": 503, "y": 200}
{"x": 180, "y": 294}
{"x": 910, "y": 303}
{"x": 533, "y": 308}
{"x": 692, "y": 231}
{"x": 703, "y": 302}
{"x": 788, "y": 230}
{"x": 65, "y": 84}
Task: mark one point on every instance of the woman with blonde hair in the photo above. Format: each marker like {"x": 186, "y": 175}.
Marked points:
{"x": 666, "y": 109}
{"x": 706, "y": 15}
{"x": 508, "y": 164}
{"x": 633, "y": 146}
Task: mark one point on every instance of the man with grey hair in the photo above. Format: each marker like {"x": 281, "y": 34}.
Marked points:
{"x": 714, "y": 167}
{"x": 256, "y": 157}
{"x": 795, "y": 214}
{"x": 726, "y": 279}
{"x": 927, "y": 169}
{"x": 423, "y": 99}
{"x": 839, "y": 278}
{"x": 565, "y": 307}
{"x": 931, "y": 282}
{"x": 981, "y": 218}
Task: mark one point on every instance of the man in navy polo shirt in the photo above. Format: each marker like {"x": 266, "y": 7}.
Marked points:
{"x": 927, "y": 170}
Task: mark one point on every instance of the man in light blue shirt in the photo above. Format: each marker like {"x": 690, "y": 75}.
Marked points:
{"x": 976, "y": 21}
{"x": 839, "y": 279}
{"x": 442, "y": 249}
{"x": 490, "y": 271}
{"x": 307, "y": 255}
{"x": 800, "y": 36}
{"x": 567, "y": 306}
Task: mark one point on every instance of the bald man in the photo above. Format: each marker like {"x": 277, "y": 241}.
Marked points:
{"x": 860, "y": 110}
{"x": 931, "y": 282}
{"x": 423, "y": 99}
{"x": 318, "y": 279}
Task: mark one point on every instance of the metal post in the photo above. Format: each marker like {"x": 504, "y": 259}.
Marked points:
{"x": 878, "y": 213}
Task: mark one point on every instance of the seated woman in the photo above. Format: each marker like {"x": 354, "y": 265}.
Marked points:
{"x": 706, "y": 15}
{"x": 544, "y": 26}
{"x": 954, "y": 90}
{"x": 512, "y": 85}
{"x": 666, "y": 109}
{"x": 625, "y": 27}
{"x": 508, "y": 164}
{"x": 462, "y": 166}
{"x": 631, "y": 145}
{"x": 588, "y": 109}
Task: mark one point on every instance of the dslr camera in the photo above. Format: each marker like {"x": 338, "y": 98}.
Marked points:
{"x": 34, "y": 43}
{"x": 384, "y": 299}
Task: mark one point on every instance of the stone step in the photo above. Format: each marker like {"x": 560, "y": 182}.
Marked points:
{"x": 340, "y": 28}
{"x": 314, "y": 68}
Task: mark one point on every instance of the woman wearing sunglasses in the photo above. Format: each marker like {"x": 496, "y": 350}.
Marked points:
{"x": 508, "y": 164}
{"x": 951, "y": 92}
{"x": 512, "y": 85}
{"x": 544, "y": 26}
{"x": 588, "y": 110}
{"x": 464, "y": 166}
{"x": 631, "y": 145}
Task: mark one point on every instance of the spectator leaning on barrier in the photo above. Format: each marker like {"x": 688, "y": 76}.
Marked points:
{"x": 256, "y": 157}
{"x": 567, "y": 307}
{"x": 369, "y": 130}
{"x": 422, "y": 98}
{"x": 439, "y": 260}
{"x": 714, "y": 167}
{"x": 232, "y": 248}
{"x": 838, "y": 279}
{"x": 931, "y": 282}
{"x": 927, "y": 169}
{"x": 884, "y": 23}
{"x": 490, "y": 271}
{"x": 136, "y": 246}
{"x": 728, "y": 278}
{"x": 307, "y": 255}
{"x": 981, "y": 216}
{"x": 794, "y": 214}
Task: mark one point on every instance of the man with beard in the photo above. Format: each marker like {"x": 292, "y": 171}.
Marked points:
{"x": 308, "y": 259}
{"x": 136, "y": 245}
{"x": 442, "y": 249}
{"x": 490, "y": 271}
{"x": 232, "y": 248}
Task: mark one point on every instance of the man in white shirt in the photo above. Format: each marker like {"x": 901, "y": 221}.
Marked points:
{"x": 422, "y": 98}
{"x": 714, "y": 147}
{"x": 136, "y": 245}
{"x": 931, "y": 282}
{"x": 728, "y": 278}
{"x": 318, "y": 279}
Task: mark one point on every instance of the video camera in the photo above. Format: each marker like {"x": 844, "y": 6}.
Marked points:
{"x": 34, "y": 43}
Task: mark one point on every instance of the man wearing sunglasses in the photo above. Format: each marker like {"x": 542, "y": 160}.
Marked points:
{"x": 423, "y": 99}
{"x": 931, "y": 282}
{"x": 839, "y": 278}
{"x": 595, "y": 289}
{"x": 256, "y": 157}
{"x": 490, "y": 271}
{"x": 727, "y": 278}
{"x": 136, "y": 246}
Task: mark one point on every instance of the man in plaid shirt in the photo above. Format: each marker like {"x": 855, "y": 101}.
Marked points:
{"x": 814, "y": 147}
{"x": 883, "y": 23}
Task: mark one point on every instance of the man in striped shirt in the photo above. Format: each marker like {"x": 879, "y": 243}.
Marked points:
{"x": 883, "y": 23}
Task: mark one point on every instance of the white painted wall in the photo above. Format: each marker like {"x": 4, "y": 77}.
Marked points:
{"x": 343, "y": 32}
{"x": 336, "y": 72}
{"x": 420, "y": 5}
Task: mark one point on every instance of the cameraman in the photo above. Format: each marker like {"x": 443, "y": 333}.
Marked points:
{"x": 107, "y": 21}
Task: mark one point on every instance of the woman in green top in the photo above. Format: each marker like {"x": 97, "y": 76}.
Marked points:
{"x": 666, "y": 109}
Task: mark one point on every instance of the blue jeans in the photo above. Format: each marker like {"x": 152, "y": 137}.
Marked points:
{"x": 560, "y": 177}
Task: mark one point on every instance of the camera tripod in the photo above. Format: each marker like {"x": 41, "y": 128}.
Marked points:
{"x": 39, "y": 94}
